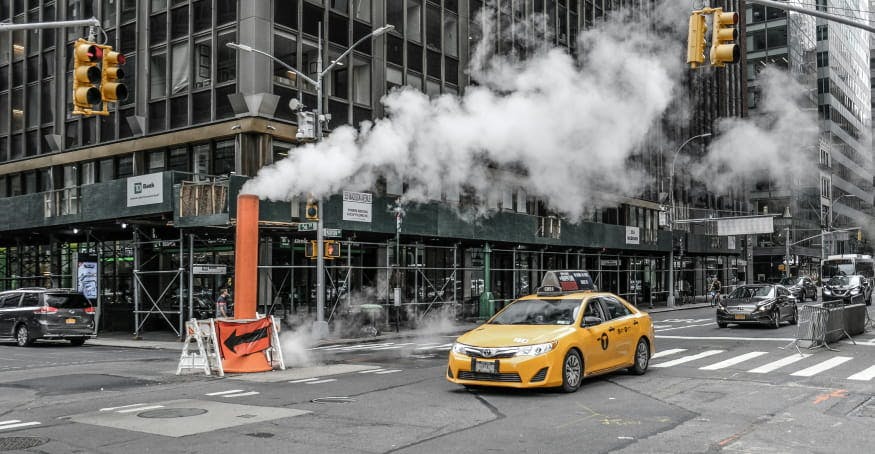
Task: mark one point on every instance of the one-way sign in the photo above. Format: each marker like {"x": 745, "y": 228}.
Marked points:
{"x": 306, "y": 226}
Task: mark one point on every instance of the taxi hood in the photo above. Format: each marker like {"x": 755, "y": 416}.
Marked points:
{"x": 513, "y": 335}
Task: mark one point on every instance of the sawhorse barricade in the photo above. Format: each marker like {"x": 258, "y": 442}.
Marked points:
{"x": 211, "y": 354}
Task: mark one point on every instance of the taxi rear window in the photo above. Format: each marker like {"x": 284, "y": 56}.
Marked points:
{"x": 67, "y": 300}
{"x": 539, "y": 312}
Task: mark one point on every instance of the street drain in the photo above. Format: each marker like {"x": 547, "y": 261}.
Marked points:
{"x": 166, "y": 413}
{"x": 333, "y": 400}
{"x": 261, "y": 435}
{"x": 18, "y": 443}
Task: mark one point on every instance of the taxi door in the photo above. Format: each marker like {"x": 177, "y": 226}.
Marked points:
{"x": 598, "y": 348}
{"x": 624, "y": 328}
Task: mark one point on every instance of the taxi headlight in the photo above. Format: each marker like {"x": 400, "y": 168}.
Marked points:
{"x": 827, "y": 291}
{"x": 459, "y": 348}
{"x": 536, "y": 349}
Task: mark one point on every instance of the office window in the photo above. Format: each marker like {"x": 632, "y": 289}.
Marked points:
{"x": 285, "y": 49}
{"x": 158, "y": 76}
{"x": 395, "y": 14}
{"x": 226, "y": 64}
{"x": 223, "y": 157}
{"x": 158, "y": 29}
{"x": 125, "y": 166}
{"x": 362, "y": 10}
{"x": 286, "y": 14}
{"x": 394, "y": 50}
{"x": 203, "y": 62}
{"x": 451, "y": 35}
{"x": 178, "y": 159}
{"x": 202, "y": 14}
{"x": 226, "y": 11}
{"x": 414, "y": 57}
{"x": 179, "y": 111}
{"x": 107, "y": 126}
{"x": 128, "y": 10}
{"x": 179, "y": 22}
{"x": 361, "y": 79}
{"x": 433, "y": 27}
{"x": 181, "y": 68}
{"x": 394, "y": 78}
{"x": 201, "y": 107}
{"x": 157, "y": 116}
{"x": 414, "y": 20}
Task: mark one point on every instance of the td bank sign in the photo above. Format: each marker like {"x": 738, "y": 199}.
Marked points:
{"x": 145, "y": 189}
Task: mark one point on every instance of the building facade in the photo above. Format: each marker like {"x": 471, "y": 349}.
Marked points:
{"x": 201, "y": 119}
{"x": 835, "y": 191}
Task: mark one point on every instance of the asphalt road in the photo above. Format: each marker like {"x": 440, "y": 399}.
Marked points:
{"x": 742, "y": 389}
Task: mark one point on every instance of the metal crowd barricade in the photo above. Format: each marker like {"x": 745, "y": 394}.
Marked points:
{"x": 816, "y": 323}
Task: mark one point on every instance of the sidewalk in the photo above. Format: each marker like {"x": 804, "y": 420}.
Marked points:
{"x": 166, "y": 340}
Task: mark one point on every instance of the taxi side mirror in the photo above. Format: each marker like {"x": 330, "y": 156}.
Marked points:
{"x": 590, "y": 320}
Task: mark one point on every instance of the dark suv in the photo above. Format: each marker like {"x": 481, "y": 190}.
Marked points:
{"x": 29, "y": 314}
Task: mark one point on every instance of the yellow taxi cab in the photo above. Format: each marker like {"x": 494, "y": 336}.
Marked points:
{"x": 554, "y": 338}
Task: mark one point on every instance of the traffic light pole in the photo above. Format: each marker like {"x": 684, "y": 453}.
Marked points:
{"x": 93, "y": 22}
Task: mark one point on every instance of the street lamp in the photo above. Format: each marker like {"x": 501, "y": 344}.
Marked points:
{"x": 788, "y": 221}
{"x": 670, "y": 299}
{"x": 321, "y": 326}
{"x": 829, "y": 226}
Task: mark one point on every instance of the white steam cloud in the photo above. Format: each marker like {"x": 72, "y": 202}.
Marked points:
{"x": 567, "y": 126}
{"x": 780, "y": 140}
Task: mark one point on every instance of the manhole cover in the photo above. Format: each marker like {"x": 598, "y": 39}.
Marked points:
{"x": 333, "y": 400}
{"x": 166, "y": 413}
{"x": 17, "y": 443}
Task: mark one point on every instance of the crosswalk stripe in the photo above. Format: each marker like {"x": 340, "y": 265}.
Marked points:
{"x": 232, "y": 391}
{"x": 371, "y": 371}
{"x": 390, "y": 371}
{"x": 327, "y": 380}
{"x": 393, "y": 347}
{"x": 250, "y": 393}
{"x": 304, "y": 380}
{"x": 775, "y": 365}
{"x": 687, "y": 359}
{"x": 733, "y": 361}
{"x": 18, "y": 424}
{"x": 825, "y": 365}
{"x": 131, "y": 410}
{"x": 672, "y": 351}
{"x": 865, "y": 375}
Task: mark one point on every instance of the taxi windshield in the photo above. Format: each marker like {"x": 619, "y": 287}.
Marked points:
{"x": 539, "y": 312}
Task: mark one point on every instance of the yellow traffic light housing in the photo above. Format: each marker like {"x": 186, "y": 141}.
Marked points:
{"x": 696, "y": 39}
{"x": 723, "y": 47}
{"x": 311, "y": 210}
{"x": 310, "y": 249}
{"x": 86, "y": 74}
{"x": 111, "y": 89}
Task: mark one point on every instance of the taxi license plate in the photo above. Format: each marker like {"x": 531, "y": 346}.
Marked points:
{"x": 485, "y": 367}
{"x": 740, "y": 316}
{"x": 71, "y": 321}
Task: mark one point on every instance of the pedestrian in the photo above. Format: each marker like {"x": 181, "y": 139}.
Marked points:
{"x": 222, "y": 304}
{"x": 715, "y": 291}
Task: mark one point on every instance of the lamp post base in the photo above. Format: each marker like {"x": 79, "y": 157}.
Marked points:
{"x": 670, "y": 300}
{"x": 320, "y": 329}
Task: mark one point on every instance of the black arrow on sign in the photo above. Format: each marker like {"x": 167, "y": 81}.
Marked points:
{"x": 234, "y": 340}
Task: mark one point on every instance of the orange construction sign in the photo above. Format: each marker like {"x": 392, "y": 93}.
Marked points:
{"x": 242, "y": 345}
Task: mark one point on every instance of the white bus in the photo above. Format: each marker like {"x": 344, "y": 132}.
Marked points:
{"x": 846, "y": 265}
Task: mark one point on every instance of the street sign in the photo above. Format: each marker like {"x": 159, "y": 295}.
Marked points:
{"x": 331, "y": 233}
{"x": 306, "y": 226}
{"x": 209, "y": 269}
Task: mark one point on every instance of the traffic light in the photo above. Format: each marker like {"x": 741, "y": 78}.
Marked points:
{"x": 696, "y": 39}
{"x": 86, "y": 74}
{"x": 111, "y": 89}
{"x": 860, "y": 235}
{"x": 311, "y": 210}
{"x": 331, "y": 249}
{"x": 310, "y": 249}
{"x": 723, "y": 47}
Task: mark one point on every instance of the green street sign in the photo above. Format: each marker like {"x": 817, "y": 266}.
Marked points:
{"x": 306, "y": 226}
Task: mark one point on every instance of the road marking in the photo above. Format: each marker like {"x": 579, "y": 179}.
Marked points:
{"x": 390, "y": 371}
{"x": 733, "y": 361}
{"x": 393, "y": 347}
{"x": 16, "y": 423}
{"x": 327, "y": 380}
{"x": 775, "y": 365}
{"x": 825, "y": 365}
{"x": 687, "y": 359}
{"x": 370, "y": 371}
{"x": 304, "y": 380}
{"x": 865, "y": 375}
{"x": 131, "y": 410}
{"x": 729, "y": 338}
{"x": 667, "y": 352}
{"x": 123, "y": 406}
{"x": 250, "y": 393}
{"x": 232, "y": 391}
{"x": 686, "y": 326}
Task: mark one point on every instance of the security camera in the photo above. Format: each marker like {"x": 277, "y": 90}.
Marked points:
{"x": 299, "y": 135}
{"x": 294, "y": 104}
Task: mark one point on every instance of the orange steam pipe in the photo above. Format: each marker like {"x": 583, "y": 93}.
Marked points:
{"x": 246, "y": 257}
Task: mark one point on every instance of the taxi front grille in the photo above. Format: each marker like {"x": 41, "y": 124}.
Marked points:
{"x": 500, "y": 352}
{"x": 512, "y": 377}
{"x": 540, "y": 376}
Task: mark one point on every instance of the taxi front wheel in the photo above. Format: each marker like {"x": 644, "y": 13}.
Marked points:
{"x": 572, "y": 371}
